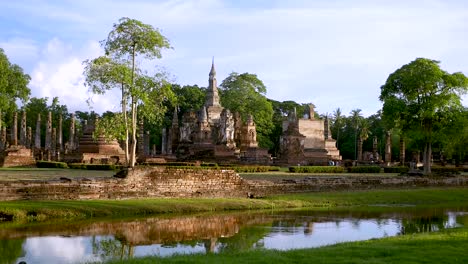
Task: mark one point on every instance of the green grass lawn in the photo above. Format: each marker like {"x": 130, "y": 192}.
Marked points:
{"x": 46, "y": 210}
{"x": 14, "y": 174}
{"x": 448, "y": 246}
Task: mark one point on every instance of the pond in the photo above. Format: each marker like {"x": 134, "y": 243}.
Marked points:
{"x": 100, "y": 240}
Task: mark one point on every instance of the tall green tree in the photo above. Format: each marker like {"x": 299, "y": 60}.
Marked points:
{"x": 418, "y": 96}
{"x": 13, "y": 84}
{"x": 356, "y": 117}
{"x": 245, "y": 93}
{"x": 128, "y": 41}
{"x": 103, "y": 74}
{"x": 337, "y": 125}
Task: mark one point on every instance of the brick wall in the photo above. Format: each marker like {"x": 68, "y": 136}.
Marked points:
{"x": 162, "y": 182}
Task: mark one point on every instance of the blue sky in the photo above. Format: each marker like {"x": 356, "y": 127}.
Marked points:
{"x": 331, "y": 53}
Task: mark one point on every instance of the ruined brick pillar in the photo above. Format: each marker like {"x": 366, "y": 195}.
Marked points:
{"x": 163, "y": 142}
{"x": 59, "y": 135}
{"x": 388, "y": 148}
{"x": 23, "y": 129}
{"x": 402, "y": 150}
{"x": 14, "y": 130}
{"x": 71, "y": 140}
{"x": 140, "y": 139}
{"x": 53, "y": 143}
{"x": 48, "y": 137}
{"x": 374, "y": 148}
{"x": 326, "y": 124}
{"x": 3, "y": 138}
{"x": 147, "y": 143}
{"x": 37, "y": 138}
{"x": 29, "y": 137}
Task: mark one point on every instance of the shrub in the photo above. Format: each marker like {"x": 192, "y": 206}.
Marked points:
{"x": 445, "y": 170}
{"x": 51, "y": 164}
{"x": 316, "y": 169}
{"x": 83, "y": 166}
{"x": 77, "y": 166}
{"x": 274, "y": 168}
{"x": 364, "y": 169}
{"x": 398, "y": 169}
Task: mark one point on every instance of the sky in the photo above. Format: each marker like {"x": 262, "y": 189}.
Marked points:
{"x": 332, "y": 53}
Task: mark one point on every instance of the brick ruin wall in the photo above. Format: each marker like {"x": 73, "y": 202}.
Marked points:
{"x": 168, "y": 183}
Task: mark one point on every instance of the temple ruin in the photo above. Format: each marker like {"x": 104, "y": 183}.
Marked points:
{"x": 213, "y": 133}
{"x": 307, "y": 141}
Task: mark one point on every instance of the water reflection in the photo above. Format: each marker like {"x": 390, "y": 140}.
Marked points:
{"x": 123, "y": 239}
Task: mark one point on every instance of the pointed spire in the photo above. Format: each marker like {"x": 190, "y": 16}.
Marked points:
{"x": 212, "y": 71}
{"x": 212, "y": 97}
{"x": 175, "y": 117}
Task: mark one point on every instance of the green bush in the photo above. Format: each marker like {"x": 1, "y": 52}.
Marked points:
{"x": 316, "y": 169}
{"x": 77, "y": 166}
{"x": 446, "y": 170}
{"x": 83, "y": 166}
{"x": 274, "y": 168}
{"x": 51, "y": 164}
{"x": 364, "y": 169}
{"x": 398, "y": 169}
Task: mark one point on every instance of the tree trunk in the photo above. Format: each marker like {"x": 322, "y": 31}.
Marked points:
{"x": 427, "y": 158}
{"x": 134, "y": 113}
{"x": 134, "y": 135}
{"x": 124, "y": 112}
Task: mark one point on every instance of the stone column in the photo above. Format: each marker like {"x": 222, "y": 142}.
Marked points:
{"x": 71, "y": 140}
{"x": 147, "y": 143}
{"x": 14, "y": 130}
{"x": 59, "y": 135}
{"x": 163, "y": 142}
{"x": 326, "y": 124}
{"x": 374, "y": 148}
{"x": 169, "y": 141}
{"x": 154, "y": 150}
{"x": 3, "y": 138}
{"x": 23, "y": 129}
{"x": 402, "y": 150}
{"x": 48, "y": 137}
{"x": 311, "y": 111}
{"x": 53, "y": 143}
{"x": 140, "y": 140}
{"x": 37, "y": 138}
{"x": 388, "y": 148}
{"x": 29, "y": 137}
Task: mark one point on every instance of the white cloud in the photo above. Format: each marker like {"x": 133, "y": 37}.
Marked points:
{"x": 59, "y": 74}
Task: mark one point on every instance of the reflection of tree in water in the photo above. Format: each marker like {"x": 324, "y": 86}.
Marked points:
{"x": 423, "y": 224}
{"x": 247, "y": 239}
{"x": 112, "y": 248}
{"x": 11, "y": 250}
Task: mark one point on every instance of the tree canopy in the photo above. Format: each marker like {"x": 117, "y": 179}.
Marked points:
{"x": 245, "y": 93}
{"x": 141, "y": 92}
{"x": 13, "y": 84}
{"x": 418, "y": 96}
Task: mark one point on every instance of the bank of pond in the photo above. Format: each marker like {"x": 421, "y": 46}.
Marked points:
{"x": 375, "y": 226}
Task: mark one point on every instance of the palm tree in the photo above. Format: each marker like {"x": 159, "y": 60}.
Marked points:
{"x": 337, "y": 124}
{"x": 355, "y": 117}
{"x": 363, "y": 135}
